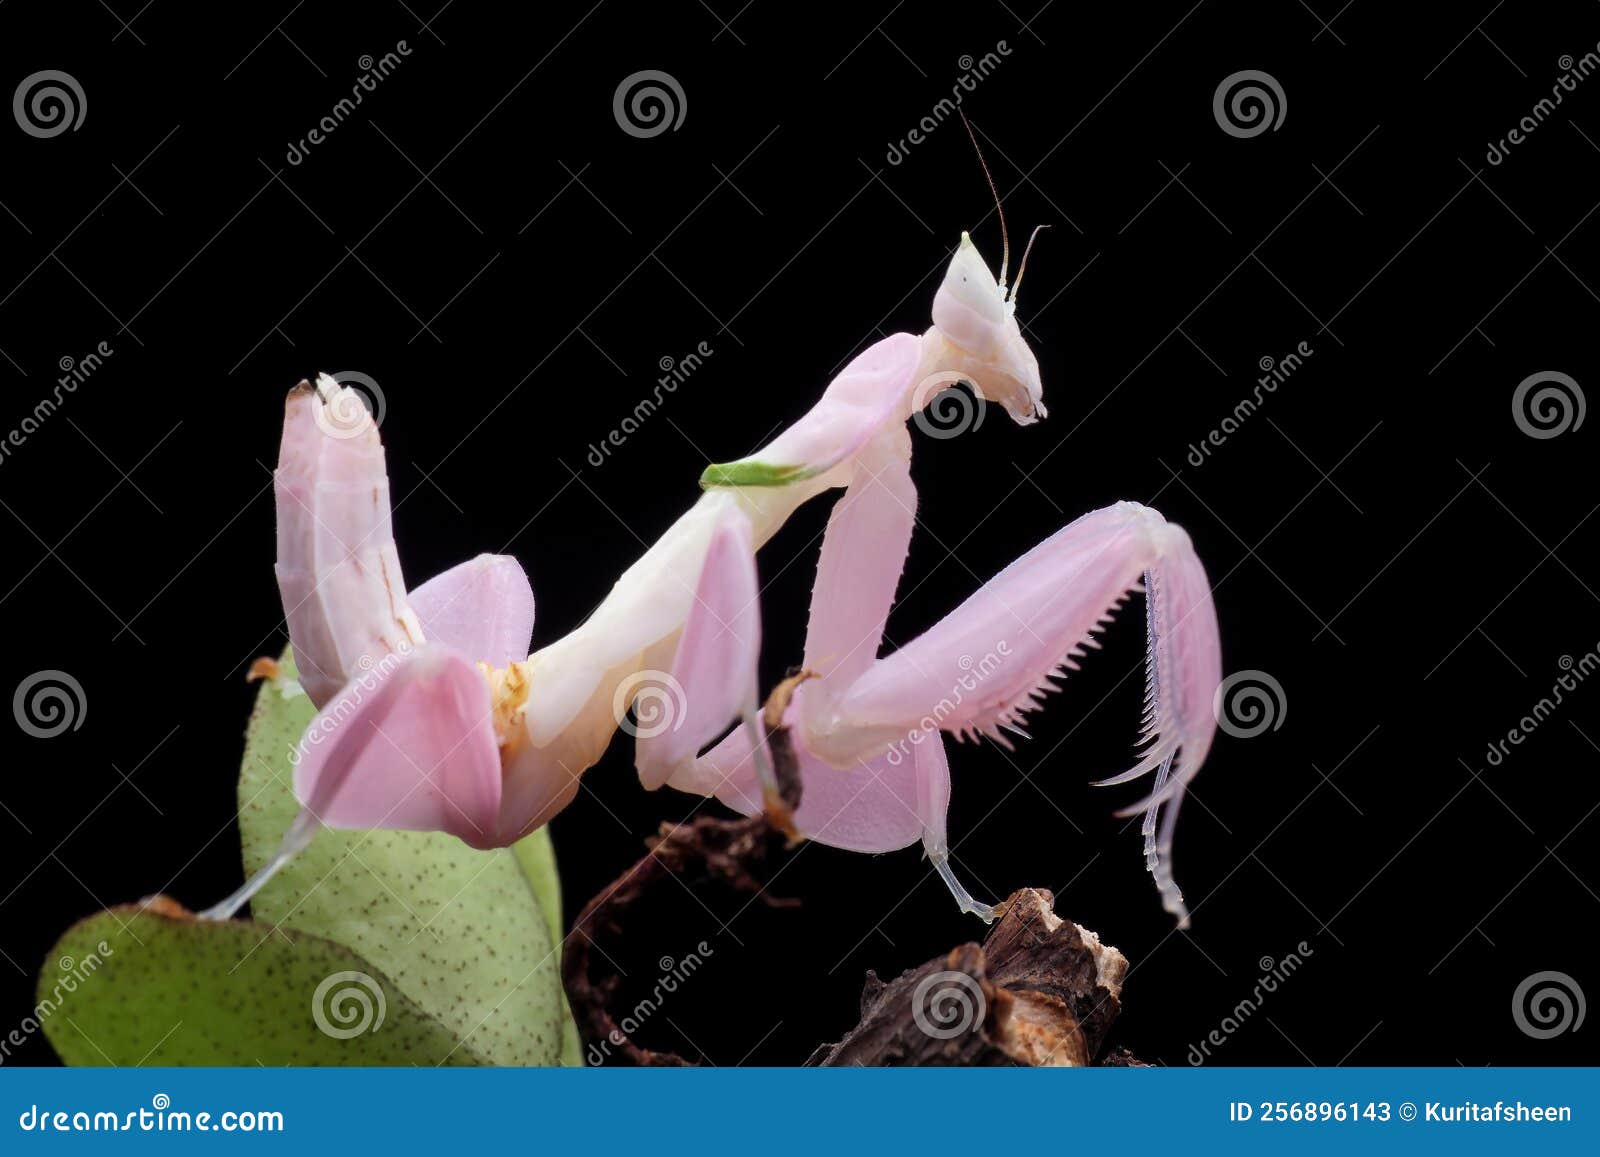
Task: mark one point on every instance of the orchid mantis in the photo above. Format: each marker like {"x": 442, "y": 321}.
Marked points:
{"x": 429, "y": 719}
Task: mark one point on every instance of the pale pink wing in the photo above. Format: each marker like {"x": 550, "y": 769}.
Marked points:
{"x": 482, "y": 608}
{"x": 343, "y": 595}
{"x": 713, "y": 678}
{"x": 408, "y": 744}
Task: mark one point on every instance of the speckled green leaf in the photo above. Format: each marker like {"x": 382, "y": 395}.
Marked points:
{"x": 463, "y": 933}
{"x": 133, "y": 986}
{"x": 537, "y": 855}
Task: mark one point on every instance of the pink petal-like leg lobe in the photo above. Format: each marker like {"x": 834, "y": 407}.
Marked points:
{"x": 713, "y": 679}
{"x": 409, "y": 744}
{"x": 879, "y": 805}
{"x": 482, "y": 608}
{"x": 871, "y": 807}
{"x": 338, "y": 573}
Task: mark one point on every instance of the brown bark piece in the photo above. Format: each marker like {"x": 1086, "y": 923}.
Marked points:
{"x": 724, "y": 852}
{"x": 1040, "y": 991}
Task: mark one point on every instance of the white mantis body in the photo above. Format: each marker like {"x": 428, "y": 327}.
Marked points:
{"x": 429, "y": 719}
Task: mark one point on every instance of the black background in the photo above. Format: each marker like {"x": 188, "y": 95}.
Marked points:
{"x": 484, "y": 241}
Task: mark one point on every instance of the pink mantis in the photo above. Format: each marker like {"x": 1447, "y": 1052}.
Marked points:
{"x": 429, "y": 719}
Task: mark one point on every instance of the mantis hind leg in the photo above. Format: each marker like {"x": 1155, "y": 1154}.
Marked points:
{"x": 295, "y": 840}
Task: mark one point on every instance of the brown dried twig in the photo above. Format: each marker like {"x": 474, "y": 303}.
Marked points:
{"x": 1040, "y": 990}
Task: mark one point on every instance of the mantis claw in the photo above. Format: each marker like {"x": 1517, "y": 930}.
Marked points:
{"x": 964, "y": 900}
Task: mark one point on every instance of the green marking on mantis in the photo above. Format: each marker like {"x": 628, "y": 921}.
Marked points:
{"x": 749, "y": 472}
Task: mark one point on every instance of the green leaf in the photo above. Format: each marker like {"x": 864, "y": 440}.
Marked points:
{"x": 155, "y": 986}
{"x": 465, "y": 934}
{"x": 537, "y": 856}
{"x": 749, "y": 472}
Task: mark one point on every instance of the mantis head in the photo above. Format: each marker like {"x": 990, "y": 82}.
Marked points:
{"x": 976, "y": 338}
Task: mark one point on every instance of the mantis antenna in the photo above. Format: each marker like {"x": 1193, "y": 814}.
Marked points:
{"x": 1022, "y": 266}
{"x": 1005, "y": 240}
